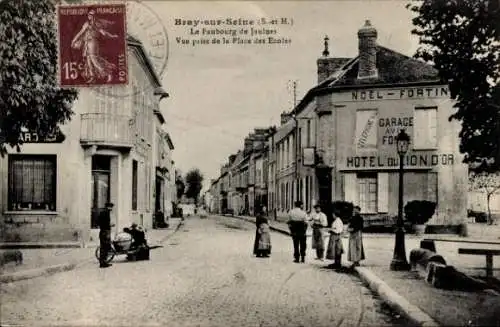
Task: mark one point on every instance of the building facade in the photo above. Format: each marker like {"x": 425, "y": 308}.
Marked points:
{"x": 56, "y": 191}
{"x": 361, "y": 104}
{"x": 286, "y": 167}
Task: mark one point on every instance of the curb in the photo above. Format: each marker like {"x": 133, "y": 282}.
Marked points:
{"x": 394, "y": 300}
{"x": 388, "y": 295}
{"x": 50, "y": 270}
{"x": 13, "y": 245}
{"x": 37, "y": 272}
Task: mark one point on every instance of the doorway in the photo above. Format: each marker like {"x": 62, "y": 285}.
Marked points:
{"x": 101, "y": 166}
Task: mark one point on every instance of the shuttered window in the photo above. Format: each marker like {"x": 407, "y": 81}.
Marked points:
{"x": 383, "y": 192}
{"x": 425, "y": 128}
{"x": 367, "y": 192}
{"x": 350, "y": 192}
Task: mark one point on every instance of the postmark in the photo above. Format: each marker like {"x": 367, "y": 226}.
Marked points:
{"x": 92, "y": 48}
{"x": 144, "y": 24}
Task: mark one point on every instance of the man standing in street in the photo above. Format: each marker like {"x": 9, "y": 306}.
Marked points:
{"x": 105, "y": 235}
{"x": 297, "y": 223}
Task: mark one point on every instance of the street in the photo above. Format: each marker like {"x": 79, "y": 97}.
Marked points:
{"x": 205, "y": 275}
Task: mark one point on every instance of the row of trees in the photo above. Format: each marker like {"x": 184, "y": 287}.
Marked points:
{"x": 190, "y": 185}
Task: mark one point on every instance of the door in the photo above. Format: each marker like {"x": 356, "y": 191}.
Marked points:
{"x": 100, "y": 187}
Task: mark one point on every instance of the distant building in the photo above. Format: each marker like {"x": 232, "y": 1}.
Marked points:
{"x": 110, "y": 151}
{"x": 338, "y": 143}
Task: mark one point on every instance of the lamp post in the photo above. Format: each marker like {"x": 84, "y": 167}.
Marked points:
{"x": 399, "y": 261}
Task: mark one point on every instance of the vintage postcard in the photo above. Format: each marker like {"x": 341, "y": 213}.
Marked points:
{"x": 249, "y": 163}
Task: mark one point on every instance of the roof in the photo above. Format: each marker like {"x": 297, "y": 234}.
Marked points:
{"x": 393, "y": 67}
{"x": 144, "y": 59}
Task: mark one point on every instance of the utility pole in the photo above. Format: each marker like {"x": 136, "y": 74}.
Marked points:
{"x": 296, "y": 150}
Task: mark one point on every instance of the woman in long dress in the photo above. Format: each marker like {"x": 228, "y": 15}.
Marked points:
{"x": 319, "y": 222}
{"x": 356, "y": 251}
{"x": 335, "y": 247}
{"x": 262, "y": 243}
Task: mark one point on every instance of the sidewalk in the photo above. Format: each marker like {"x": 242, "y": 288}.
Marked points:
{"x": 448, "y": 308}
{"x": 38, "y": 260}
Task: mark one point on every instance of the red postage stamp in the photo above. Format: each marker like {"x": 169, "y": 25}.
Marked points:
{"x": 92, "y": 45}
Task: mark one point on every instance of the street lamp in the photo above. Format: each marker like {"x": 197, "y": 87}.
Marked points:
{"x": 399, "y": 261}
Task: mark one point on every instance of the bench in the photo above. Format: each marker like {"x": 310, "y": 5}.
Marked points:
{"x": 428, "y": 243}
{"x": 489, "y": 253}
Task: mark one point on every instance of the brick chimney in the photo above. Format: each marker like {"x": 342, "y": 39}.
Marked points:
{"x": 285, "y": 116}
{"x": 367, "y": 36}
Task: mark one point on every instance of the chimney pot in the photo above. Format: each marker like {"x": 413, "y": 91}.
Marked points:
{"x": 367, "y": 36}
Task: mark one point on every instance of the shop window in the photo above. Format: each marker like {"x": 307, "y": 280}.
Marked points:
{"x": 366, "y": 129}
{"x": 134, "y": 184}
{"x": 367, "y": 192}
{"x": 425, "y": 128}
{"x": 32, "y": 182}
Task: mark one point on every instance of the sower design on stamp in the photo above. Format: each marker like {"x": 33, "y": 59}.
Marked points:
{"x": 92, "y": 45}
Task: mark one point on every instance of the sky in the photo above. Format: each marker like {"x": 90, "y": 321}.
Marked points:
{"x": 220, "y": 93}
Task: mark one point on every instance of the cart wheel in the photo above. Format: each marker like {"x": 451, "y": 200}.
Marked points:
{"x": 111, "y": 254}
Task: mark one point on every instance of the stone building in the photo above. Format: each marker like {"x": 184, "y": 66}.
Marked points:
{"x": 286, "y": 168}
{"x": 54, "y": 189}
{"x": 243, "y": 178}
{"x": 360, "y": 105}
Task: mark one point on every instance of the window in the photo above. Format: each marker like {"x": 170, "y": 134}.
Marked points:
{"x": 366, "y": 129}
{"x": 134, "y": 184}
{"x": 425, "y": 128}
{"x": 308, "y": 136}
{"x": 432, "y": 186}
{"x": 367, "y": 192}
{"x": 32, "y": 182}
{"x": 299, "y": 139}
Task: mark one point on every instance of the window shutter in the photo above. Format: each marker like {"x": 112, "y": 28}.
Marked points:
{"x": 383, "y": 192}
{"x": 350, "y": 188}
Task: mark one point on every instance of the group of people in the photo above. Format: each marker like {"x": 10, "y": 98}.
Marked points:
{"x": 299, "y": 221}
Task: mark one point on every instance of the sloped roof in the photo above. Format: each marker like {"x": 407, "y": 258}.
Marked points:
{"x": 284, "y": 130}
{"x": 393, "y": 68}
{"x": 144, "y": 59}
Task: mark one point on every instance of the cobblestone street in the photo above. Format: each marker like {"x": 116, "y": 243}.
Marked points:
{"x": 204, "y": 276}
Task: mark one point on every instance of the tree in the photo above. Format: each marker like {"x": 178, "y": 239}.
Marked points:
{"x": 485, "y": 182}
{"x": 179, "y": 184}
{"x": 462, "y": 39}
{"x": 29, "y": 95}
{"x": 194, "y": 181}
